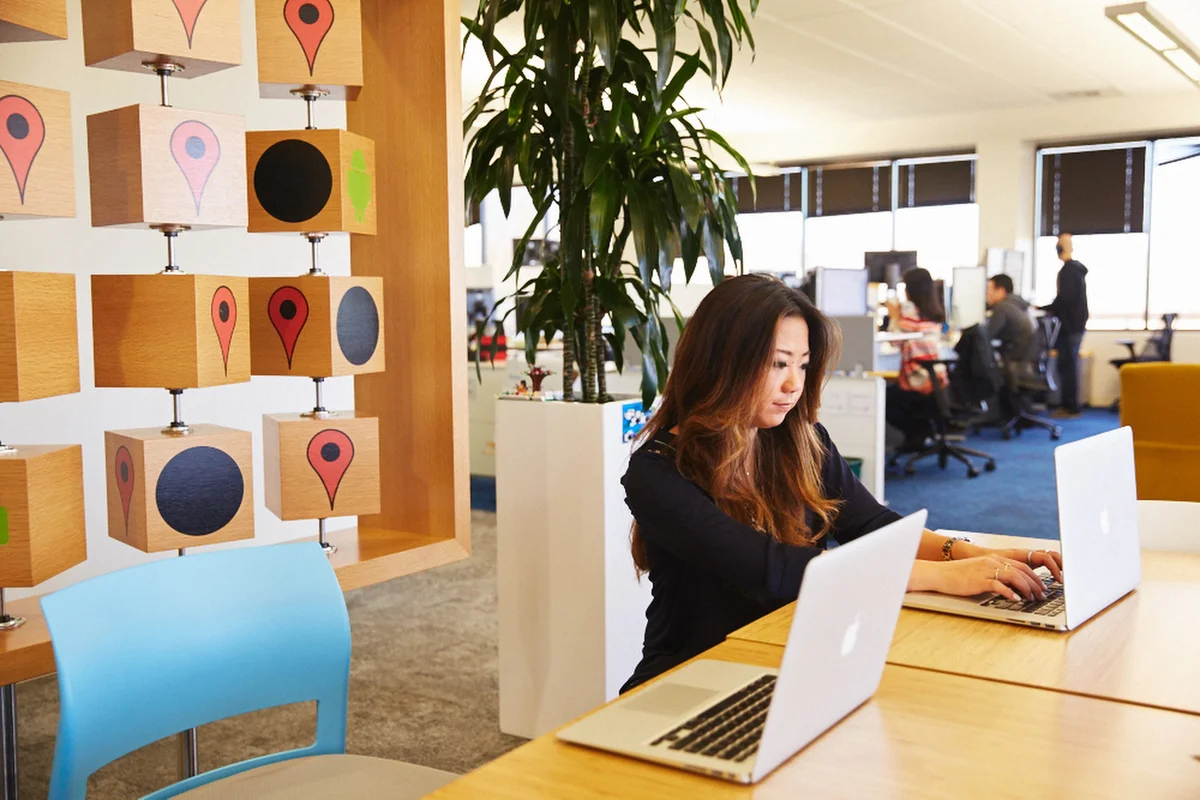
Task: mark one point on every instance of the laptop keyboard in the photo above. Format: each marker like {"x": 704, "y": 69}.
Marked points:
{"x": 1052, "y": 605}
{"x": 729, "y": 730}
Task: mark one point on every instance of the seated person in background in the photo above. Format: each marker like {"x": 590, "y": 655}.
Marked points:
{"x": 735, "y": 487}
{"x": 1009, "y": 320}
{"x": 910, "y": 400}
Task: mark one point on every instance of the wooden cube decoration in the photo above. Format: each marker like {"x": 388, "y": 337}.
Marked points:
{"x": 167, "y": 492}
{"x": 310, "y": 181}
{"x": 33, "y": 20}
{"x": 203, "y": 36}
{"x": 39, "y": 338}
{"x": 318, "y": 468}
{"x": 316, "y": 326}
{"x": 158, "y": 165}
{"x": 42, "y": 528}
{"x": 309, "y": 43}
{"x": 38, "y": 179}
{"x": 170, "y": 331}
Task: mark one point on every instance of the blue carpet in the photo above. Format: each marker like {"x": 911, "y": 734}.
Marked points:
{"x": 1019, "y": 498}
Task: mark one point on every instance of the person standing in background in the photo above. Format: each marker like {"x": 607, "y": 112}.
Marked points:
{"x": 1071, "y": 308}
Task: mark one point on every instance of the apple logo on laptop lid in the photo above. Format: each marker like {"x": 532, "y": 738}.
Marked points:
{"x": 850, "y": 638}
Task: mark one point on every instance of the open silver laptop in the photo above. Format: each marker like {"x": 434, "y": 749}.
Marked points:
{"x": 1098, "y": 530}
{"x": 738, "y": 721}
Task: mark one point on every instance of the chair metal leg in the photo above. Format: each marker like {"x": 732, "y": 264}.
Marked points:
{"x": 189, "y": 755}
{"x": 8, "y": 739}
{"x": 977, "y": 453}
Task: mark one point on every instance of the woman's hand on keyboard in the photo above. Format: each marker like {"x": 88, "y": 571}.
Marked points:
{"x": 1049, "y": 559}
{"x": 1009, "y": 577}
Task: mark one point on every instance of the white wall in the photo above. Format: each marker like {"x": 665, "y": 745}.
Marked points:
{"x": 72, "y": 245}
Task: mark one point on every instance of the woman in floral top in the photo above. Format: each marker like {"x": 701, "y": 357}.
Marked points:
{"x": 910, "y": 401}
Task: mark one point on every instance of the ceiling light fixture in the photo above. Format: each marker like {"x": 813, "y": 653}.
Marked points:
{"x": 1141, "y": 20}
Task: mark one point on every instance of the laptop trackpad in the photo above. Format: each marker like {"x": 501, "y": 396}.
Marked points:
{"x": 669, "y": 699}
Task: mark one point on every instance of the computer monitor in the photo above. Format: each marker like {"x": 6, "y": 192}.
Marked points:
{"x": 841, "y": 292}
{"x": 889, "y": 266}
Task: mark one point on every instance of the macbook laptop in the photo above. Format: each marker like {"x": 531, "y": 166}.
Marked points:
{"x": 739, "y": 721}
{"x": 1098, "y": 530}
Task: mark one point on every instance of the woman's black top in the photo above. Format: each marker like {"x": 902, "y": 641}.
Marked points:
{"x": 711, "y": 574}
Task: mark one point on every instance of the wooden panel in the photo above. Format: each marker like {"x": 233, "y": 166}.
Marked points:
{"x": 161, "y": 165}
{"x": 1132, "y": 652}
{"x": 37, "y": 177}
{"x": 33, "y": 20}
{"x": 165, "y": 331}
{"x": 167, "y": 492}
{"x": 412, "y": 94}
{"x": 923, "y": 735}
{"x": 301, "y": 480}
{"x": 41, "y": 492}
{"x": 39, "y": 338}
{"x": 326, "y": 51}
{"x": 202, "y": 35}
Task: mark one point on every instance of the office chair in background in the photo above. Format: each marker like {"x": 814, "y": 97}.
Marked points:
{"x": 1027, "y": 381}
{"x": 1156, "y": 349}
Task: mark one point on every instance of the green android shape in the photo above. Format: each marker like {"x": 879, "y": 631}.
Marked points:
{"x": 3, "y": 525}
{"x": 358, "y": 185}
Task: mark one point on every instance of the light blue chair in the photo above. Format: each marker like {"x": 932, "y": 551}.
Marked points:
{"x": 147, "y": 652}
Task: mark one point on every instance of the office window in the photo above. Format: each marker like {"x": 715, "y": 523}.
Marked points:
{"x": 770, "y": 193}
{"x": 1094, "y": 190}
{"x": 849, "y": 189}
{"x": 1116, "y": 278}
{"x": 922, "y": 183}
{"x": 1175, "y": 234}
{"x": 841, "y": 242}
{"x": 944, "y": 236}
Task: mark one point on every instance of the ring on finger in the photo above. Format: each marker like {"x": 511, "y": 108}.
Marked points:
{"x": 996, "y": 577}
{"x": 1029, "y": 558}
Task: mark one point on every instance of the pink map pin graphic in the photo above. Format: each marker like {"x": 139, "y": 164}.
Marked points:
{"x": 189, "y": 11}
{"x": 329, "y": 454}
{"x": 309, "y": 21}
{"x": 196, "y": 149}
{"x": 22, "y": 132}
{"x": 224, "y": 319}
{"x": 123, "y": 470}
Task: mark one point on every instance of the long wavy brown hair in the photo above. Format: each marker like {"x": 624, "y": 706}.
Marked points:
{"x": 712, "y": 395}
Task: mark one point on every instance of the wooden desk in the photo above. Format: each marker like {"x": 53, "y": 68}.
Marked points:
{"x": 925, "y": 734}
{"x": 1144, "y": 649}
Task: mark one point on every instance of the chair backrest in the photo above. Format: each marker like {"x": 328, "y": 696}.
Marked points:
{"x": 159, "y": 648}
{"x": 1159, "y": 345}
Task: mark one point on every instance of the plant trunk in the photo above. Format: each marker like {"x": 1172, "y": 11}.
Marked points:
{"x": 589, "y": 335}
{"x": 568, "y": 365}
{"x": 601, "y": 378}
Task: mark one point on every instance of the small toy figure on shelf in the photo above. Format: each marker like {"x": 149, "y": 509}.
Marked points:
{"x": 523, "y": 389}
{"x": 537, "y": 375}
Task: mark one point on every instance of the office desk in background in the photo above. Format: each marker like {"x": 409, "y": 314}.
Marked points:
{"x": 1143, "y": 649}
{"x": 924, "y": 734}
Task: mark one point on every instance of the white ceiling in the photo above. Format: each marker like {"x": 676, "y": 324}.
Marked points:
{"x": 821, "y": 62}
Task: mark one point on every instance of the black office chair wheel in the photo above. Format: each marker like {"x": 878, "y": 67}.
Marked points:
{"x": 990, "y": 466}
{"x": 972, "y": 473}
{"x": 1056, "y": 434}
{"x": 1006, "y": 434}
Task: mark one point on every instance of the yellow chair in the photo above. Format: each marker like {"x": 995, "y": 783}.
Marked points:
{"x": 1158, "y": 402}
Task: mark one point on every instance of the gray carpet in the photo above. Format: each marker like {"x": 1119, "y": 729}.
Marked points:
{"x": 423, "y": 688}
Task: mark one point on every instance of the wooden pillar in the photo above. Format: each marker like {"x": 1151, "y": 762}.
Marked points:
{"x": 411, "y": 106}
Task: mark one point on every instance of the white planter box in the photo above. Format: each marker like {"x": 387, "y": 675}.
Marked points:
{"x": 572, "y": 610}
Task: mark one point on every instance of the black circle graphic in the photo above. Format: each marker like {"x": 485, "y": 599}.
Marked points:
{"x": 195, "y": 147}
{"x": 124, "y": 472}
{"x": 357, "y": 325}
{"x": 293, "y": 181}
{"x": 309, "y": 14}
{"x": 223, "y": 311}
{"x": 330, "y": 452}
{"x": 18, "y": 126}
{"x": 287, "y": 309}
{"x": 199, "y": 491}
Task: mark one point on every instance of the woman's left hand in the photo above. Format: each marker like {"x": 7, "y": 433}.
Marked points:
{"x": 1049, "y": 559}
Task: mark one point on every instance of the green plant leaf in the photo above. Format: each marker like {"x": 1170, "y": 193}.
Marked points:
{"x": 686, "y": 191}
{"x": 605, "y": 202}
{"x": 602, "y": 15}
{"x": 664, "y": 36}
{"x": 714, "y": 250}
{"x": 669, "y": 95}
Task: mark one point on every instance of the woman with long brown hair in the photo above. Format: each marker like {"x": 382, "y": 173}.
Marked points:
{"x": 736, "y": 486}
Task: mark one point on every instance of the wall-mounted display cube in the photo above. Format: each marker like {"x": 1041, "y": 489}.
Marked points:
{"x": 167, "y": 492}
{"x": 309, "y": 43}
{"x": 310, "y": 181}
{"x": 316, "y": 326}
{"x": 158, "y": 165}
{"x": 38, "y": 179}
{"x": 39, "y": 337}
{"x": 42, "y": 529}
{"x": 317, "y": 468}
{"x": 32, "y": 20}
{"x": 170, "y": 331}
{"x": 203, "y": 36}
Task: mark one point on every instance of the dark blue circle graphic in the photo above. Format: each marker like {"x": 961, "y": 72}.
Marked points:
{"x": 330, "y": 452}
{"x": 199, "y": 491}
{"x": 18, "y": 126}
{"x": 357, "y": 325}
{"x": 287, "y": 309}
{"x": 195, "y": 147}
{"x": 309, "y": 14}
